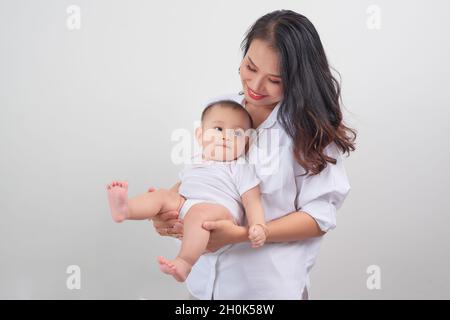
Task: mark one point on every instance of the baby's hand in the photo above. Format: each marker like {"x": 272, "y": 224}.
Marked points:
{"x": 257, "y": 235}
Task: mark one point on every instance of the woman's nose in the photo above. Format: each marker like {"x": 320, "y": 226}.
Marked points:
{"x": 257, "y": 84}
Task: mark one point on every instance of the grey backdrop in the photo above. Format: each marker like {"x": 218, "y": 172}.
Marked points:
{"x": 79, "y": 108}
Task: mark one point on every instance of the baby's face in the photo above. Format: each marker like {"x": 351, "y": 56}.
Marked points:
{"x": 223, "y": 134}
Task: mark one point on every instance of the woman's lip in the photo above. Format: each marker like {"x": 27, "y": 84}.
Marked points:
{"x": 254, "y": 95}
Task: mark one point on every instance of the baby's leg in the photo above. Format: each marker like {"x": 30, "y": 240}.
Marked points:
{"x": 144, "y": 206}
{"x": 195, "y": 239}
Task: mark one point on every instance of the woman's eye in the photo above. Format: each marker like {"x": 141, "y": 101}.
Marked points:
{"x": 272, "y": 81}
{"x": 249, "y": 68}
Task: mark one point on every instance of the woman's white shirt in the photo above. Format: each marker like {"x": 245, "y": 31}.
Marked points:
{"x": 275, "y": 270}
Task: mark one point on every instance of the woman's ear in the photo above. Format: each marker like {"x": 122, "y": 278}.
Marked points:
{"x": 198, "y": 135}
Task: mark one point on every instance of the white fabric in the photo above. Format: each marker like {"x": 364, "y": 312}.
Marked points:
{"x": 275, "y": 270}
{"x": 221, "y": 182}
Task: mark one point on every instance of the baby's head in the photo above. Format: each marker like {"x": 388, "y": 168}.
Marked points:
{"x": 223, "y": 134}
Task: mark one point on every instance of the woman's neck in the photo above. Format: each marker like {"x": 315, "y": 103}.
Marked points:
{"x": 258, "y": 114}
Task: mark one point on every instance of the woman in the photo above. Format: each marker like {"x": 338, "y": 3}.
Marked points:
{"x": 293, "y": 99}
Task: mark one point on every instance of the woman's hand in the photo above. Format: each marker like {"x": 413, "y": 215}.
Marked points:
{"x": 223, "y": 232}
{"x": 167, "y": 223}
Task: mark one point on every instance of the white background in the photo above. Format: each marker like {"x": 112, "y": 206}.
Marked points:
{"x": 80, "y": 108}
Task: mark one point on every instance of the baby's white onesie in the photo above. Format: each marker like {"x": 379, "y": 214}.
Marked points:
{"x": 219, "y": 182}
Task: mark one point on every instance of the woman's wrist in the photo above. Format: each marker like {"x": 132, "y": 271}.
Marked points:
{"x": 240, "y": 235}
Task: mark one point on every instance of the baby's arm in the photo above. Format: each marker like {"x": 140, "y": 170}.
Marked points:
{"x": 254, "y": 211}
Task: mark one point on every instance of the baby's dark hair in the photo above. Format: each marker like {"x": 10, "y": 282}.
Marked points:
{"x": 227, "y": 104}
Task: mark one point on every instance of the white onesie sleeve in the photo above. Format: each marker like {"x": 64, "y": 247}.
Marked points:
{"x": 245, "y": 177}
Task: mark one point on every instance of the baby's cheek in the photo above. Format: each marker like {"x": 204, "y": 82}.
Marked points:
{"x": 209, "y": 143}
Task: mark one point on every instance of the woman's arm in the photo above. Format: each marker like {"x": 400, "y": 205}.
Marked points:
{"x": 291, "y": 227}
{"x": 224, "y": 232}
{"x": 295, "y": 226}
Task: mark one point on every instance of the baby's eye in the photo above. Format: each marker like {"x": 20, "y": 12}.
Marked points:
{"x": 218, "y": 128}
{"x": 238, "y": 133}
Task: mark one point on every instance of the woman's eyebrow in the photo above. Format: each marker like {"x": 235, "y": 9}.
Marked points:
{"x": 273, "y": 75}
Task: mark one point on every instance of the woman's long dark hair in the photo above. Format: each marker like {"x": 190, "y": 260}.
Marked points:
{"x": 310, "y": 112}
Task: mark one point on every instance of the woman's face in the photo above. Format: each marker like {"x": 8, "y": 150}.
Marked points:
{"x": 260, "y": 75}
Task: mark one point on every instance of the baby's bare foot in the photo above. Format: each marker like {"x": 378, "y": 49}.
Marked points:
{"x": 118, "y": 200}
{"x": 177, "y": 268}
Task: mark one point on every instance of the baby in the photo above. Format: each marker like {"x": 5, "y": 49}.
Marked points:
{"x": 219, "y": 175}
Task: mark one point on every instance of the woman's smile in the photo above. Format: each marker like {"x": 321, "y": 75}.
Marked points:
{"x": 255, "y": 95}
